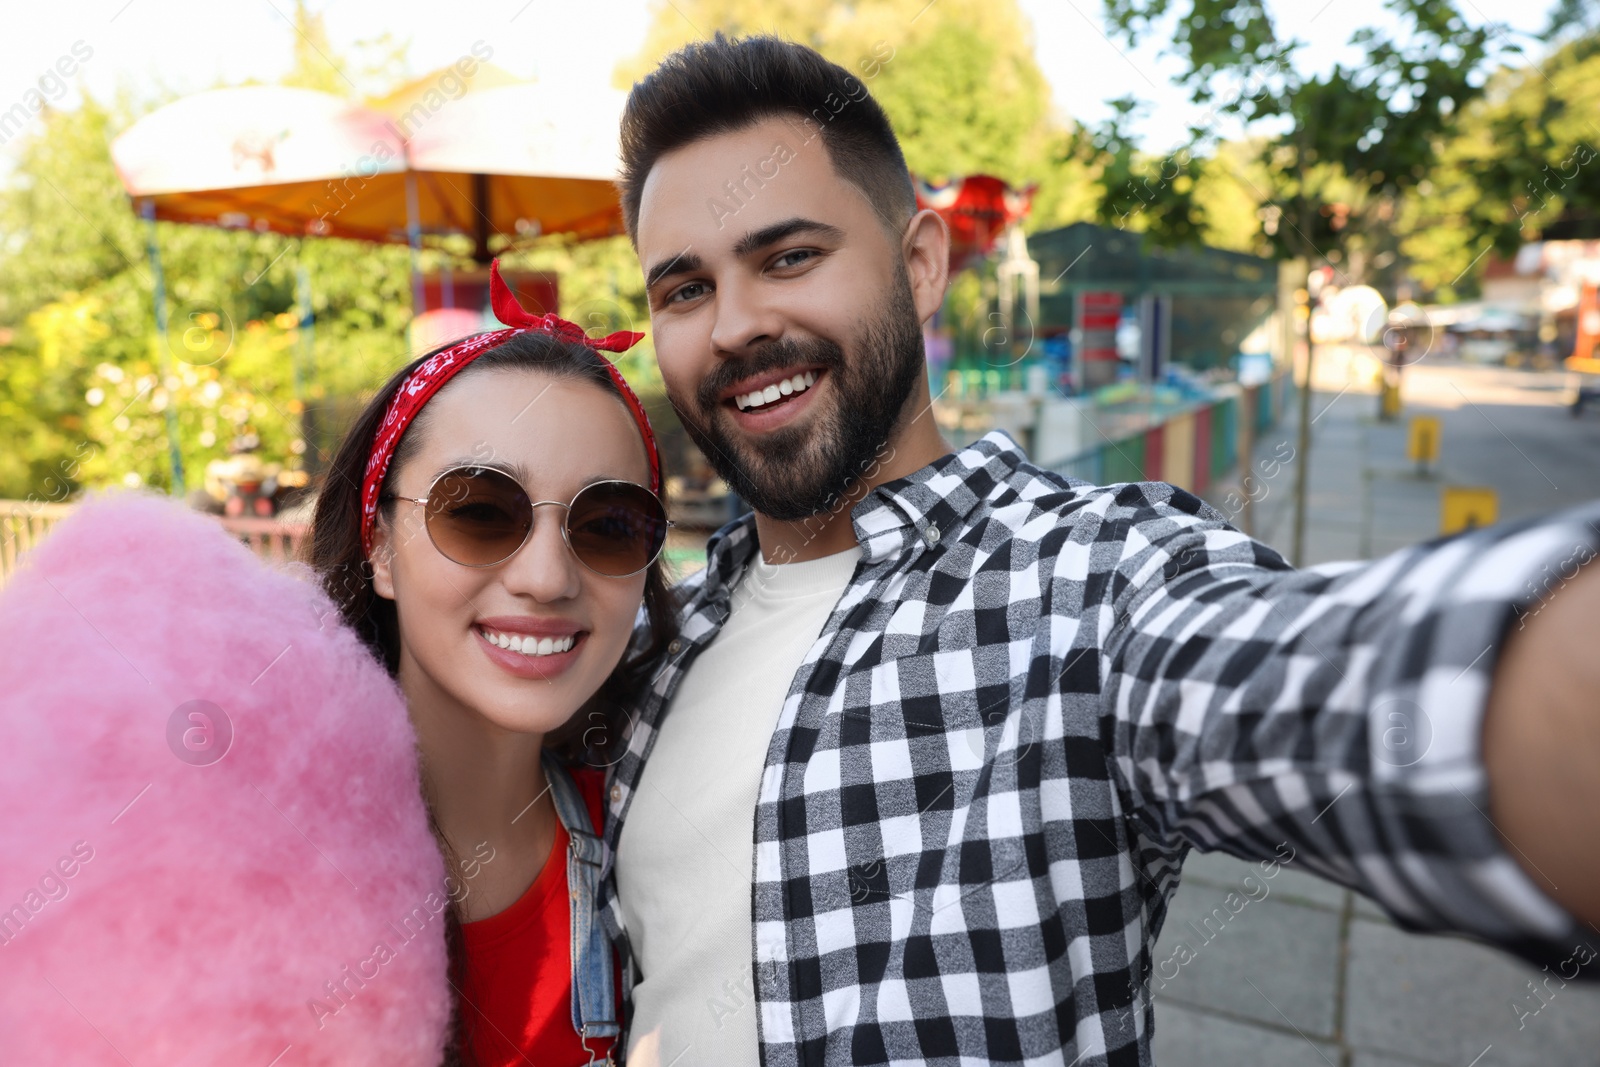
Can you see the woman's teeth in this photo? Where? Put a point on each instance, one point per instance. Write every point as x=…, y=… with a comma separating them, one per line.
x=789, y=386
x=529, y=645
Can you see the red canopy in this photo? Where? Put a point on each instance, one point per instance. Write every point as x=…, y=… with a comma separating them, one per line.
x=978, y=209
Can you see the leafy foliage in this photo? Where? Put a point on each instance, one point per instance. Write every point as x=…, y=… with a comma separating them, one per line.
x=84, y=373
x=1527, y=160
x=961, y=84
x=1137, y=191
x=1344, y=144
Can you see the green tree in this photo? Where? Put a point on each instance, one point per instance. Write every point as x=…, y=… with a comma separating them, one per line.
x=1519, y=163
x=82, y=373
x=958, y=79
x=86, y=385
x=1135, y=190
x=1364, y=132
x=1526, y=160
x=1229, y=190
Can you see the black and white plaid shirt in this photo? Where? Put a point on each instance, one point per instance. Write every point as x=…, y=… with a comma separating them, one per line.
x=1036, y=695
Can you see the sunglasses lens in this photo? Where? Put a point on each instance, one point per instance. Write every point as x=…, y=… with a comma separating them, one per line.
x=616, y=528
x=477, y=516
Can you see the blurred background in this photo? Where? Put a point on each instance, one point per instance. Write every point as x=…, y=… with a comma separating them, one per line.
x=1330, y=264
x=225, y=226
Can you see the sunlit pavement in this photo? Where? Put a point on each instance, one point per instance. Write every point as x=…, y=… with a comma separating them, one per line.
x=1509, y=430
x=1301, y=971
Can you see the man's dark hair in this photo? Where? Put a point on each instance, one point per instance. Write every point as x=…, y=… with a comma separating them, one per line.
x=721, y=86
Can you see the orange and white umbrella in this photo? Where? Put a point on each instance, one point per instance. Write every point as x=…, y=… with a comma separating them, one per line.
x=267, y=158
x=519, y=160
x=513, y=161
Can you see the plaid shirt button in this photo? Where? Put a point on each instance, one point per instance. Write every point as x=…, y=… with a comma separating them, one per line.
x=931, y=535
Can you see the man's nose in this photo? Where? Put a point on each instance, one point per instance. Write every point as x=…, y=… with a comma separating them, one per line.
x=746, y=316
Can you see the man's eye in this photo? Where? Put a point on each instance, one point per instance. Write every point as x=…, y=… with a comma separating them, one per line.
x=686, y=292
x=793, y=259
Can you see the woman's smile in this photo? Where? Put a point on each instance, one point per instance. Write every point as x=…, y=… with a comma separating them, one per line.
x=530, y=647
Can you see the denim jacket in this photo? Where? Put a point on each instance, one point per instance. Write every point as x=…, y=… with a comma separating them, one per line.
x=594, y=1010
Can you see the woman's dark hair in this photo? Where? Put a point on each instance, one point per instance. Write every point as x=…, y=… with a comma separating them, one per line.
x=334, y=552
x=722, y=86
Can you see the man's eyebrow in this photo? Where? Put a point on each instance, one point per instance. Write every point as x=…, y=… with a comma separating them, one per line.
x=757, y=239
x=682, y=263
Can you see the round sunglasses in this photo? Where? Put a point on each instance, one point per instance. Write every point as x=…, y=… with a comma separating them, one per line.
x=479, y=517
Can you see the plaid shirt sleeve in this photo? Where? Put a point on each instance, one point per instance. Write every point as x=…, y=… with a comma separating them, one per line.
x=1336, y=709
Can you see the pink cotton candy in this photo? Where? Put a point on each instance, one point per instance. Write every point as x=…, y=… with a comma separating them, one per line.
x=279, y=906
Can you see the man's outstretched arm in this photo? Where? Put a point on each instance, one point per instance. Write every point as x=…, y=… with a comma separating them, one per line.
x=1343, y=710
x=1541, y=744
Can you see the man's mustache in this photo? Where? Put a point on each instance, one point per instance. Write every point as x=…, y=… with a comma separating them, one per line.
x=774, y=355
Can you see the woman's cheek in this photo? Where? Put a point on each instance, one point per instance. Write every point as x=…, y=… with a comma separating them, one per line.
x=621, y=609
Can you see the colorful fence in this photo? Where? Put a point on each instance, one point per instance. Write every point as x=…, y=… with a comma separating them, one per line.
x=1194, y=448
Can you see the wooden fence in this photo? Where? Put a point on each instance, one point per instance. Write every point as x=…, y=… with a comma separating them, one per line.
x=24, y=523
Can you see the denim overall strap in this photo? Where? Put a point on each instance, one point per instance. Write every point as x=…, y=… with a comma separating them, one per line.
x=594, y=1012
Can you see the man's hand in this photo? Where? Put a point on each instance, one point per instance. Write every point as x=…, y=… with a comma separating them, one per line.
x=1541, y=745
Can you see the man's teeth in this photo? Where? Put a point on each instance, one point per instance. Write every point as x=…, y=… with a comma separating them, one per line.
x=757, y=398
x=529, y=645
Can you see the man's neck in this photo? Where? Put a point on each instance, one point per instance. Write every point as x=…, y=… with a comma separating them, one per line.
x=915, y=443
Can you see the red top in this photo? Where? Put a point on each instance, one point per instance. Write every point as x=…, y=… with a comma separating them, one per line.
x=516, y=1001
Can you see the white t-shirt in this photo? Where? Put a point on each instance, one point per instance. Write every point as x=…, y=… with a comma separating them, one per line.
x=685, y=858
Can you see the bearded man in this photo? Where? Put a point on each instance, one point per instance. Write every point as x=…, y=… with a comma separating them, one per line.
x=916, y=783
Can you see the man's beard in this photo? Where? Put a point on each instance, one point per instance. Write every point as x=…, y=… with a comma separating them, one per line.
x=800, y=470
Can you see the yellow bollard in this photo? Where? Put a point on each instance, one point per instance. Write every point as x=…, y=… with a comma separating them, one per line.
x=1422, y=443
x=1389, y=400
x=1463, y=507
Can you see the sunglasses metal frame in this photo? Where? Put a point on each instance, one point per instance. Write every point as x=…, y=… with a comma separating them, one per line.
x=534, y=505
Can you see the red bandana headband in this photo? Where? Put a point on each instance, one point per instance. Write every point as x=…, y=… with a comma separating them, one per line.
x=431, y=376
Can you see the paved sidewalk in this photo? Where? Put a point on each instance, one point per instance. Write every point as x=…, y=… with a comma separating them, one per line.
x=1505, y=429
x=1293, y=970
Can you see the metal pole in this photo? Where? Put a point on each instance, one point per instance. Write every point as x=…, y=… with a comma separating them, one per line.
x=1302, y=467
x=306, y=360
x=414, y=234
x=482, y=214
x=1246, y=436
x=302, y=288
x=174, y=455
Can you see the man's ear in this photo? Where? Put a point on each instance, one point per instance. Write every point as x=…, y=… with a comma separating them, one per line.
x=926, y=248
x=382, y=560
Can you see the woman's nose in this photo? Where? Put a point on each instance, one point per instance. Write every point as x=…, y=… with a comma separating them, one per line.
x=544, y=567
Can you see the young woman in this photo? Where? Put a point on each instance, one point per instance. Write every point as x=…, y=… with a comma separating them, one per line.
x=490, y=526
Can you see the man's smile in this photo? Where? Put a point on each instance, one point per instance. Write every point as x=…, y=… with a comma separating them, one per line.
x=760, y=396
x=765, y=402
